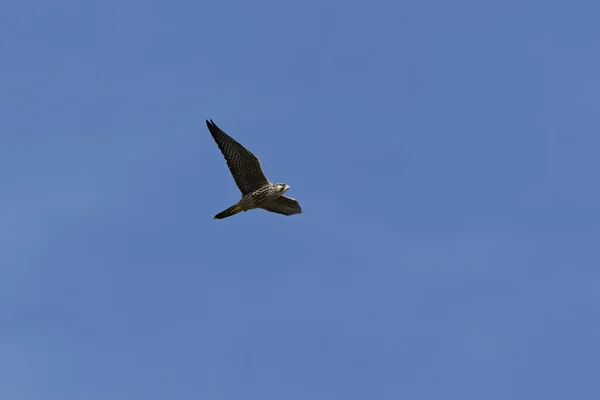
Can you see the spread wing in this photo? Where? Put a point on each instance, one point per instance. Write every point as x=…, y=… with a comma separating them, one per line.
x=284, y=205
x=243, y=165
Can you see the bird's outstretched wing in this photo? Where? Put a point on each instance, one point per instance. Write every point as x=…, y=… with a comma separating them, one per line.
x=244, y=166
x=284, y=205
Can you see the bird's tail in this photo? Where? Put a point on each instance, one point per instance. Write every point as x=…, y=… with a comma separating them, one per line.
x=229, y=212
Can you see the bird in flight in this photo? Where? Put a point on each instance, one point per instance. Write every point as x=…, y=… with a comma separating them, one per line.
x=257, y=191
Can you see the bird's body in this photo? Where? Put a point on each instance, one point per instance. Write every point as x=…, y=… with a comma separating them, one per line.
x=257, y=191
x=256, y=199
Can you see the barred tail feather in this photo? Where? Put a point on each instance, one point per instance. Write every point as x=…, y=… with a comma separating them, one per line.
x=229, y=212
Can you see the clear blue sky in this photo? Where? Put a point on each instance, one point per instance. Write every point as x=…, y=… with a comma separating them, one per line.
x=445, y=153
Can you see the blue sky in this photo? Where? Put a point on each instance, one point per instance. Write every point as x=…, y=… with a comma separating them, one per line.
x=445, y=155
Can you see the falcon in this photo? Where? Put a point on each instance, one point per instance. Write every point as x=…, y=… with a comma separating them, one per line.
x=257, y=191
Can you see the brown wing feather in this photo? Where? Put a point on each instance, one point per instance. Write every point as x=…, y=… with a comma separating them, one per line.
x=243, y=165
x=284, y=205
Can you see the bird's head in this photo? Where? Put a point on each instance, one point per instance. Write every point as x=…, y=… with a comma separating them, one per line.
x=282, y=187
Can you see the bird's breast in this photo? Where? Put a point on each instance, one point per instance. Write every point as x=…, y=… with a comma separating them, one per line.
x=261, y=197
